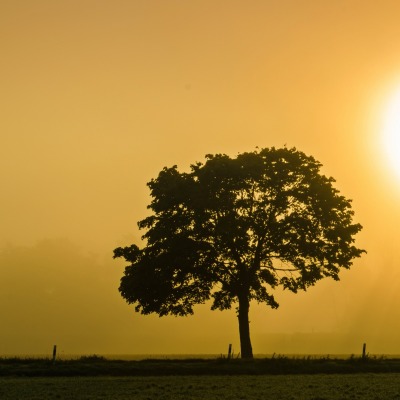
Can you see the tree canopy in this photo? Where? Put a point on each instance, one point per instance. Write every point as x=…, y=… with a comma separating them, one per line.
x=233, y=229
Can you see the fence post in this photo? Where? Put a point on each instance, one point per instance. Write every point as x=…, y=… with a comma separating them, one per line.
x=54, y=353
x=364, y=350
x=229, y=351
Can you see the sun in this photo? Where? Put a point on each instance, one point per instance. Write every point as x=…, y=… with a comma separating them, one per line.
x=391, y=132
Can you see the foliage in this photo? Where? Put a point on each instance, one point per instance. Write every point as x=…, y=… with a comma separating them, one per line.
x=232, y=229
x=92, y=358
x=275, y=365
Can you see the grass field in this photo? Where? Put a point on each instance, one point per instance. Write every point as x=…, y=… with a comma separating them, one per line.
x=100, y=366
x=282, y=387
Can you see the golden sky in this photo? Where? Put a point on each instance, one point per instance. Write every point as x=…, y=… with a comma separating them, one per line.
x=98, y=96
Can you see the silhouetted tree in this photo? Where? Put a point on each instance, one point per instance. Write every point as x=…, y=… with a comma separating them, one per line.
x=232, y=229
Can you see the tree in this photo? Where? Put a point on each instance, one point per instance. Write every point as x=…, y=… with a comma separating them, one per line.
x=233, y=229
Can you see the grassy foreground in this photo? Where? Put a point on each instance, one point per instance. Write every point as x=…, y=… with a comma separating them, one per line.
x=99, y=366
x=265, y=387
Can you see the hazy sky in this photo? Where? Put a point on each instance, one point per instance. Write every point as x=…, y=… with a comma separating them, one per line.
x=98, y=96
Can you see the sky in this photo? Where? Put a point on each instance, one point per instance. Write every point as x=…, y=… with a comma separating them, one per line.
x=98, y=96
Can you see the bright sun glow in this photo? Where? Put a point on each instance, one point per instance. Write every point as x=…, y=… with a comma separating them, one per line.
x=391, y=132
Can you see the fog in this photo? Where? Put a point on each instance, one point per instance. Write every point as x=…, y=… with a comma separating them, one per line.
x=97, y=97
x=56, y=293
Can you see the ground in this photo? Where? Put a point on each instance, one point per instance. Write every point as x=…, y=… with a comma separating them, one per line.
x=244, y=387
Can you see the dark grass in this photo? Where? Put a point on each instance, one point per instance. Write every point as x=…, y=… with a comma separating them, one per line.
x=226, y=387
x=277, y=365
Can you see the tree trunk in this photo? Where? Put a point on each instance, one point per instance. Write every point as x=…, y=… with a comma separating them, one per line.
x=244, y=328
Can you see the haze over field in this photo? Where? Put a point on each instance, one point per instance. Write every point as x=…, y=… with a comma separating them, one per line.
x=97, y=97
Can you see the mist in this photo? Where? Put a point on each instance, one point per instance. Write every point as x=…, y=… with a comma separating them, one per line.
x=57, y=293
x=98, y=97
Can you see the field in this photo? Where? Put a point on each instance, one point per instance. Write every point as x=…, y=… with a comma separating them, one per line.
x=244, y=387
x=284, y=378
x=277, y=365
